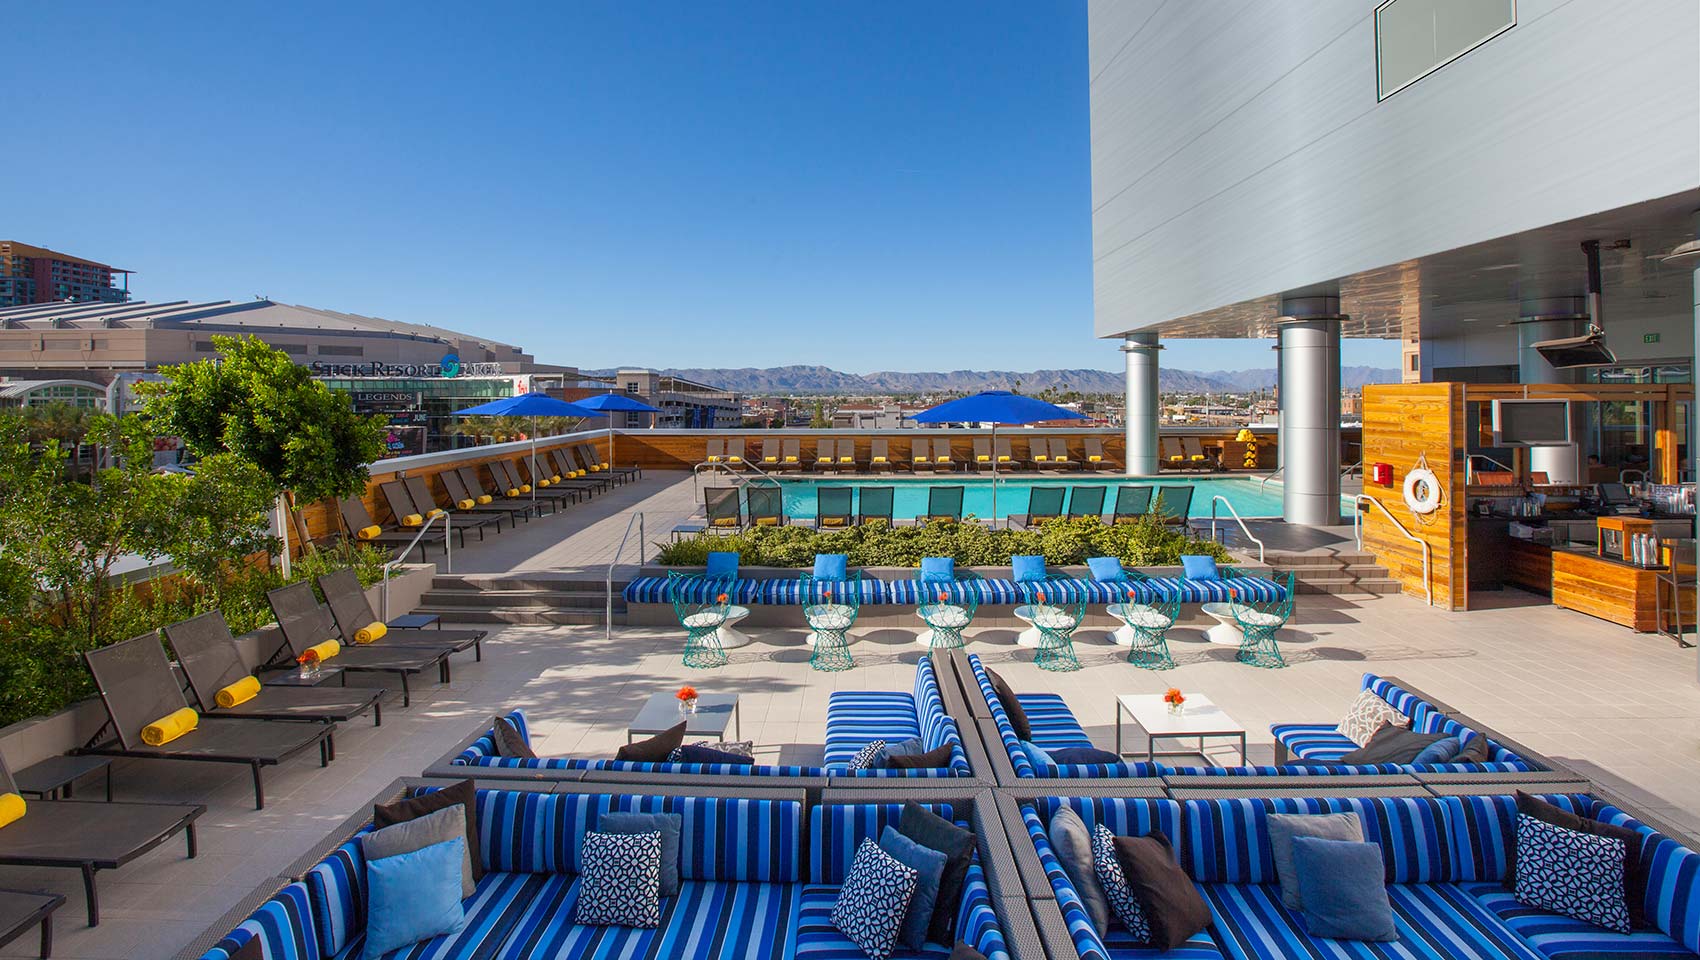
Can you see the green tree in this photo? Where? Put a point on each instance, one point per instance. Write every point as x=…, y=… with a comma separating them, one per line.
x=209, y=522
x=820, y=420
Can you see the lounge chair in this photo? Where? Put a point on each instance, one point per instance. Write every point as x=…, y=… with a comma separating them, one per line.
x=1095, y=458
x=1039, y=453
x=138, y=688
x=419, y=490
x=826, y=455
x=1170, y=456
x=944, y=456
x=791, y=457
x=589, y=455
x=1059, y=455
x=90, y=837
x=515, y=490
x=1086, y=502
x=1173, y=504
x=497, y=493
x=580, y=474
x=735, y=453
x=874, y=503
x=359, y=526
x=720, y=506
x=982, y=454
x=352, y=613
x=847, y=455
x=1043, y=503
x=766, y=505
x=209, y=658
x=833, y=507
x=466, y=502
x=411, y=516
x=879, y=458
x=920, y=455
x=303, y=623
x=1006, y=456
x=716, y=451
x=944, y=505
x=1196, y=458
x=1131, y=504
x=770, y=457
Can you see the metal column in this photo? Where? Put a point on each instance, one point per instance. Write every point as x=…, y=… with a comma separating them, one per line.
x=1552, y=318
x=1140, y=416
x=1309, y=334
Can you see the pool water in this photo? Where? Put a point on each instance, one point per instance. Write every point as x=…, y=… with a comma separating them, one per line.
x=909, y=498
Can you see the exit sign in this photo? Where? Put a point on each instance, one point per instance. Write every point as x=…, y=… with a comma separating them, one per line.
x=1649, y=338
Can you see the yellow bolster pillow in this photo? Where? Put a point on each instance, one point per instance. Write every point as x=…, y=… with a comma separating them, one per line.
x=725, y=521
x=846, y=459
x=466, y=504
x=525, y=488
x=1094, y=458
x=832, y=521
x=790, y=459
x=326, y=650
x=767, y=521
x=763, y=460
x=1041, y=457
x=604, y=464
x=11, y=808
x=434, y=513
x=542, y=483
x=879, y=459
x=555, y=478
x=239, y=692
x=1003, y=458
x=941, y=459
x=370, y=632
x=513, y=491
x=367, y=533
x=713, y=459
x=170, y=727
x=579, y=473
x=982, y=458
x=412, y=520
x=485, y=498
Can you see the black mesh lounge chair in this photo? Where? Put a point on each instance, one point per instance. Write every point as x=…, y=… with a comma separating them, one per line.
x=1059, y=455
x=826, y=455
x=1043, y=503
x=770, y=455
x=402, y=508
x=1039, y=453
x=944, y=456
x=766, y=505
x=1095, y=458
x=209, y=658
x=1173, y=503
x=982, y=462
x=138, y=687
x=944, y=504
x=735, y=452
x=1196, y=458
x=466, y=502
x=591, y=459
x=420, y=492
x=1085, y=502
x=920, y=455
x=1006, y=456
x=89, y=837
x=791, y=454
x=1131, y=504
x=359, y=525
x=875, y=504
x=564, y=486
x=715, y=452
x=351, y=612
x=847, y=456
x=578, y=472
x=720, y=506
x=879, y=458
x=303, y=623
x=832, y=507
x=1170, y=455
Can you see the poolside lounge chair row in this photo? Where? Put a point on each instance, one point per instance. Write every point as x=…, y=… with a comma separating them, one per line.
x=926, y=455
x=761, y=505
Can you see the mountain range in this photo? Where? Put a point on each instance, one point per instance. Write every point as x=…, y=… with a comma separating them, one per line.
x=805, y=379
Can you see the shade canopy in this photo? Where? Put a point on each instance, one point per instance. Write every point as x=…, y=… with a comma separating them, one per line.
x=615, y=402
x=528, y=405
x=996, y=406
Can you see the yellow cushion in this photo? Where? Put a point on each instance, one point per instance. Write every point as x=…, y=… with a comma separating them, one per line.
x=1003, y=458
x=942, y=518
x=769, y=459
x=832, y=521
x=466, y=504
x=555, y=478
x=1093, y=458
x=736, y=459
x=1198, y=456
x=412, y=520
x=983, y=457
x=943, y=459
x=370, y=632
x=790, y=459
x=725, y=521
x=846, y=459
x=434, y=513
x=367, y=533
x=513, y=491
x=713, y=459
x=485, y=498
x=579, y=473
x=879, y=459
x=326, y=650
x=170, y=727
x=525, y=488
x=921, y=458
x=543, y=483
x=11, y=808
x=239, y=692
x=767, y=521
x=1040, y=456
x=823, y=459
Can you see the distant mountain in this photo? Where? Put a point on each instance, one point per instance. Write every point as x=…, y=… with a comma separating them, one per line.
x=804, y=379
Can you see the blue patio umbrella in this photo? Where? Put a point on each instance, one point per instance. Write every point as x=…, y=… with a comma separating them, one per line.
x=996, y=407
x=612, y=403
x=531, y=405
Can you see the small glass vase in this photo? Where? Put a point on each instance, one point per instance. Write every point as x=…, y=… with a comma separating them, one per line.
x=1177, y=709
x=309, y=670
x=687, y=707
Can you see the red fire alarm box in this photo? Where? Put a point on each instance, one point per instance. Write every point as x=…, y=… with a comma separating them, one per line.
x=1381, y=473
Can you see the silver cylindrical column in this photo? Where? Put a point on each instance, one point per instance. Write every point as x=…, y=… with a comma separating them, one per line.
x=1309, y=335
x=1552, y=318
x=1140, y=414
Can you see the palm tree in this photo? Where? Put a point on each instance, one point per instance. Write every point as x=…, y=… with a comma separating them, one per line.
x=63, y=422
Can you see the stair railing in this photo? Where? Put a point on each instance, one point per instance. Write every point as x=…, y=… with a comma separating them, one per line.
x=1236, y=515
x=1272, y=476
x=400, y=558
x=608, y=582
x=1358, y=532
x=738, y=476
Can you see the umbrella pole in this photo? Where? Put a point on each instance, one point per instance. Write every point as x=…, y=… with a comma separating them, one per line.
x=534, y=477
x=995, y=477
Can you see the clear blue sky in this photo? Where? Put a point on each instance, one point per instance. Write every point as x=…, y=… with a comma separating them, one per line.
x=663, y=184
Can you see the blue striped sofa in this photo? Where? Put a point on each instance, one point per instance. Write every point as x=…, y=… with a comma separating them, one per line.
x=897, y=591
x=482, y=753
x=1445, y=859
x=1054, y=727
x=752, y=887
x=855, y=718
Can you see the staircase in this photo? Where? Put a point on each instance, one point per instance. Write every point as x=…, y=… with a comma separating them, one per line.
x=522, y=599
x=1342, y=571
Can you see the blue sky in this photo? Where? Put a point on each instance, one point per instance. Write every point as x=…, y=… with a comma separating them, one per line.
x=867, y=185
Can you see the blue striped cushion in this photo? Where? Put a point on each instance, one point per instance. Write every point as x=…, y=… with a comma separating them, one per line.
x=706, y=920
x=495, y=909
x=1673, y=878
x=336, y=887
x=1227, y=841
x=1339, y=769
x=819, y=939
x=1479, y=829
x=1053, y=726
x=985, y=590
x=284, y=925
x=837, y=829
x=1323, y=741
x=1564, y=938
x=855, y=718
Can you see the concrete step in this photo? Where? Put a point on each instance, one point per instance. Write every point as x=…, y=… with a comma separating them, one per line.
x=1347, y=587
x=568, y=584
x=508, y=598
x=534, y=615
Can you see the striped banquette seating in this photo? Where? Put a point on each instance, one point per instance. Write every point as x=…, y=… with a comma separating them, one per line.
x=757, y=882
x=1054, y=727
x=1445, y=860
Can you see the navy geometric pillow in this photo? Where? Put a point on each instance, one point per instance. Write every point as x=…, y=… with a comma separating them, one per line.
x=1577, y=874
x=1114, y=882
x=874, y=899
x=869, y=756
x=619, y=880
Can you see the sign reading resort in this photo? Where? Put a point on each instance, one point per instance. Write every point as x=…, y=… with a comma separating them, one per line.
x=447, y=368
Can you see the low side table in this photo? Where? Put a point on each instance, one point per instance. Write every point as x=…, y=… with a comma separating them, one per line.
x=715, y=712
x=20, y=911
x=730, y=636
x=52, y=778
x=417, y=621
x=1226, y=632
x=1200, y=718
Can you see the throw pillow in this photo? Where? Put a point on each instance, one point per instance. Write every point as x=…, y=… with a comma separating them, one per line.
x=1344, y=887
x=936, y=833
x=1011, y=706
x=936, y=758
x=413, y=897
x=1067, y=755
x=963, y=951
x=1113, y=881
x=1634, y=865
x=619, y=880
x=1577, y=874
x=691, y=753
x=1073, y=846
x=656, y=749
x=509, y=743
x=832, y=566
x=1173, y=908
x=1366, y=716
x=929, y=867
x=1026, y=568
x=1440, y=751
x=1106, y=568
x=872, y=903
x=905, y=748
x=462, y=793
x=1393, y=744
x=868, y=758
x=668, y=825
x=1475, y=749
x=1283, y=827
x=743, y=748
x=1196, y=567
x=1036, y=756
x=446, y=824
x=938, y=569
x=721, y=564
x=254, y=948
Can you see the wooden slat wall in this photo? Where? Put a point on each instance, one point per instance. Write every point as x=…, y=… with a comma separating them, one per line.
x=1401, y=423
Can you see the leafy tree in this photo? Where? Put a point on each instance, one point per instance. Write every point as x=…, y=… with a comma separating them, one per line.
x=211, y=521
x=820, y=420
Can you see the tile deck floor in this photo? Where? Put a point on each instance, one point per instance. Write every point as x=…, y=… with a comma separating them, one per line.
x=1623, y=706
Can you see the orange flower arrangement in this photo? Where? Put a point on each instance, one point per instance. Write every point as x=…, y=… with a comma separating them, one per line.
x=827, y=593
x=720, y=599
x=309, y=656
x=687, y=692
x=1039, y=595
x=1173, y=697
x=944, y=597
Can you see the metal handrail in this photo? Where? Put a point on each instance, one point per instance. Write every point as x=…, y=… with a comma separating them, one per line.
x=736, y=474
x=1358, y=533
x=1236, y=515
x=1272, y=476
x=608, y=583
x=448, y=556
x=1357, y=468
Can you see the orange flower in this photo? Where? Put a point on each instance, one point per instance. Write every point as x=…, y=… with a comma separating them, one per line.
x=687, y=693
x=311, y=656
x=1132, y=594
x=1039, y=595
x=1174, y=696
x=720, y=599
x=943, y=597
x=826, y=593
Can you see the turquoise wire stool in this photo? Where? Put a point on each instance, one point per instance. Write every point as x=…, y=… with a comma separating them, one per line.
x=947, y=608
x=830, y=607
x=1057, y=617
x=1149, y=624
x=702, y=620
x=1258, y=623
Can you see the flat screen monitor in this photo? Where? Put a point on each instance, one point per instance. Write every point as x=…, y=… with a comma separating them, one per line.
x=1531, y=423
x=1614, y=494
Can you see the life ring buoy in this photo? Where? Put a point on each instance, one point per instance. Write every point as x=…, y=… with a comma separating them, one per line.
x=1422, y=491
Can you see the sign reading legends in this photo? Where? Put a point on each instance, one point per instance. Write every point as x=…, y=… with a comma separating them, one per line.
x=449, y=367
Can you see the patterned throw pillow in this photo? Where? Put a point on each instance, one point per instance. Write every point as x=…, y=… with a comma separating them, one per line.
x=1367, y=715
x=1114, y=883
x=742, y=748
x=874, y=899
x=619, y=880
x=1577, y=874
x=869, y=756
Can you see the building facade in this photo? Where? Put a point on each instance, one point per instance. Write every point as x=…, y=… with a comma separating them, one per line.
x=683, y=403
x=31, y=274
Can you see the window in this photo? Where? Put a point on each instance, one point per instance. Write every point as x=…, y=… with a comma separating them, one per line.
x=291, y=347
x=1414, y=38
x=205, y=346
x=336, y=350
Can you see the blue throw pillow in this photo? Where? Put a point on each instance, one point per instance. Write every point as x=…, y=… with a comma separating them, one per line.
x=832, y=566
x=1440, y=751
x=721, y=563
x=928, y=865
x=667, y=824
x=1028, y=568
x=1106, y=568
x=1199, y=568
x=1036, y=756
x=1344, y=888
x=412, y=897
x=1063, y=756
x=912, y=747
x=938, y=568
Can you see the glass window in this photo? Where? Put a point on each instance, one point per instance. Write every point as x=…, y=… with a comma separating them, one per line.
x=1414, y=38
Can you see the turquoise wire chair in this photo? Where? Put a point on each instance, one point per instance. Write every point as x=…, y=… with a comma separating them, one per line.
x=947, y=608
x=830, y=608
x=1258, y=623
x=1149, y=623
x=703, y=619
x=1058, y=608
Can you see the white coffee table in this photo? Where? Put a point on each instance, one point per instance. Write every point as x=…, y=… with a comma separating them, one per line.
x=1226, y=631
x=730, y=636
x=1200, y=718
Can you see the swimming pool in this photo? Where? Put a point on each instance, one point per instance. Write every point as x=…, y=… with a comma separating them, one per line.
x=910, y=494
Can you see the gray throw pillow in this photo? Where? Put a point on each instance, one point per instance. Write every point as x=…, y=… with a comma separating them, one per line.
x=1283, y=827
x=433, y=828
x=911, y=747
x=1392, y=744
x=1073, y=846
x=667, y=824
